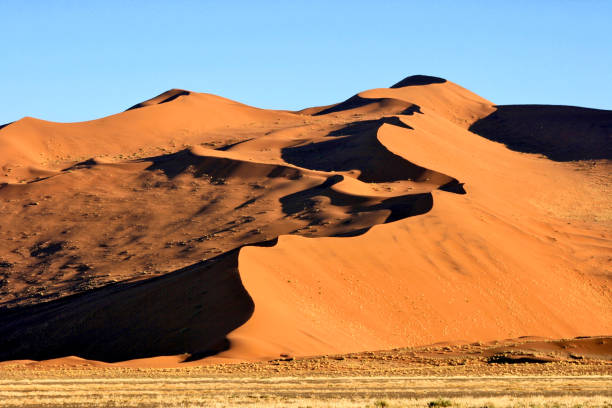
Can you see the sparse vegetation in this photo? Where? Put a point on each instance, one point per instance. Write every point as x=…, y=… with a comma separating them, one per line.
x=87, y=386
x=77, y=395
x=440, y=402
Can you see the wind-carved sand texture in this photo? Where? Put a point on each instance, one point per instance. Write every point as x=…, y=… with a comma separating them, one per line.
x=197, y=227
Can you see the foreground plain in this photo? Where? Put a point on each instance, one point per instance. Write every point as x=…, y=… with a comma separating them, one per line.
x=518, y=372
x=155, y=390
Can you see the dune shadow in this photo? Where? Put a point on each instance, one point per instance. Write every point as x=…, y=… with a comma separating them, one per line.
x=356, y=147
x=164, y=97
x=188, y=311
x=216, y=168
x=417, y=80
x=397, y=106
x=368, y=125
x=5, y=125
x=561, y=133
x=400, y=207
x=173, y=164
x=453, y=186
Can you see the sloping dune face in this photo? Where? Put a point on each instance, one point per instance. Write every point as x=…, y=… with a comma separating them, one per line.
x=197, y=226
x=562, y=133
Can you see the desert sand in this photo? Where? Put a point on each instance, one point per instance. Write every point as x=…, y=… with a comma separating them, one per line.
x=191, y=229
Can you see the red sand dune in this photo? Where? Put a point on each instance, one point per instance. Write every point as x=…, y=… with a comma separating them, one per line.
x=194, y=226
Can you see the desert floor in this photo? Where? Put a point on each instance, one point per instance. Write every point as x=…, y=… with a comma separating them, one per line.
x=519, y=372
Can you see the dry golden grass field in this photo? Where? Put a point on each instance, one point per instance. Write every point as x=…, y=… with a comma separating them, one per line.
x=154, y=389
x=519, y=373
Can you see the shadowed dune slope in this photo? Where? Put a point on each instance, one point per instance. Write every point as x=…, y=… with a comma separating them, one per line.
x=164, y=97
x=197, y=227
x=188, y=311
x=416, y=80
x=362, y=150
x=562, y=133
x=361, y=105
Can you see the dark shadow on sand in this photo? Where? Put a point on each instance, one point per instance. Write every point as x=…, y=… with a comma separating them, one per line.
x=400, y=207
x=357, y=101
x=5, y=125
x=356, y=147
x=561, y=133
x=418, y=80
x=188, y=311
x=171, y=95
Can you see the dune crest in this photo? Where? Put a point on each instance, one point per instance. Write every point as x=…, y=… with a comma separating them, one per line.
x=164, y=97
x=194, y=226
x=418, y=80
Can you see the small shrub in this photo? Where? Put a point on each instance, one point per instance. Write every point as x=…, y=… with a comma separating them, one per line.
x=440, y=402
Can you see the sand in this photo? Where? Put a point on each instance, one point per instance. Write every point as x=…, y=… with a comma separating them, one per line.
x=191, y=229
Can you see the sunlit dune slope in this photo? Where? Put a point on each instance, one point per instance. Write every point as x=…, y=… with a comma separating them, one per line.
x=192, y=118
x=196, y=226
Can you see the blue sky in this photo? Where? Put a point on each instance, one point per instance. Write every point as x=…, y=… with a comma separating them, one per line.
x=78, y=60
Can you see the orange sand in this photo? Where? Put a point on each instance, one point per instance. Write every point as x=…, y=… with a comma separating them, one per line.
x=376, y=223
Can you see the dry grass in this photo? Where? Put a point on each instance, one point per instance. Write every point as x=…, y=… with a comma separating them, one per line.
x=262, y=401
x=586, y=391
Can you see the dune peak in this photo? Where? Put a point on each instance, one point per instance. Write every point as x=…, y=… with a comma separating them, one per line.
x=417, y=80
x=163, y=97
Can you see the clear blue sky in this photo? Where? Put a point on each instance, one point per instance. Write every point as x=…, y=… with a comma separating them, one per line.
x=78, y=60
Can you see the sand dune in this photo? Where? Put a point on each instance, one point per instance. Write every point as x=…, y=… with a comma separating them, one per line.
x=562, y=133
x=194, y=226
x=164, y=97
x=156, y=127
